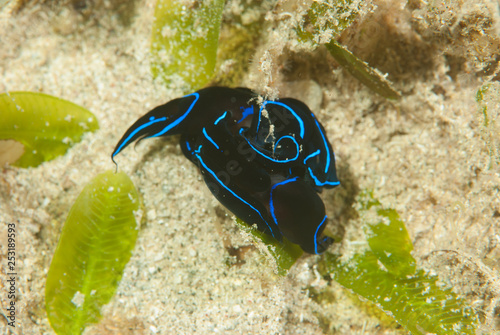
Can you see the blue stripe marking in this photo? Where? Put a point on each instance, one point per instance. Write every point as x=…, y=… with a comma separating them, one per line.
x=246, y=112
x=180, y=119
x=188, y=146
x=319, y=183
x=271, y=202
x=197, y=151
x=316, y=235
x=266, y=156
x=209, y=138
x=220, y=118
x=132, y=134
x=231, y=191
x=152, y=121
x=327, y=165
x=314, y=154
x=301, y=123
x=287, y=136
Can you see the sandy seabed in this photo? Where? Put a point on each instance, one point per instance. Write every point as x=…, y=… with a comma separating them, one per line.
x=425, y=156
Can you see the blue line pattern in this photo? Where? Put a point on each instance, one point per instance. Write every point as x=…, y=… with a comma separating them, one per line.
x=230, y=190
x=220, y=118
x=246, y=112
x=137, y=130
x=316, y=234
x=209, y=138
x=271, y=202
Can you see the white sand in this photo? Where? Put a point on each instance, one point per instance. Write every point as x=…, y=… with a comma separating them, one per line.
x=423, y=156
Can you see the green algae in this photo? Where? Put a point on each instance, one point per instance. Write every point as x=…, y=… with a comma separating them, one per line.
x=46, y=126
x=184, y=42
x=386, y=275
x=95, y=245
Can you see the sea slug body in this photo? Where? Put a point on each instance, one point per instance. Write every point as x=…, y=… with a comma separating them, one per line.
x=265, y=163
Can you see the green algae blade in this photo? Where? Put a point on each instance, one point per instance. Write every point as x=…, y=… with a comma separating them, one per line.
x=488, y=115
x=95, y=245
x=46, y=126
x=367, y=75
x=184, y=41
x=326, y=21
x=387, y=237
x=285, y=253
x=386, y=275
